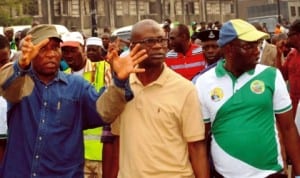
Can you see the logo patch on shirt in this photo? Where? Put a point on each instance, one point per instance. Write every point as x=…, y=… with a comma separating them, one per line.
x=216, y=94
x=257, y=86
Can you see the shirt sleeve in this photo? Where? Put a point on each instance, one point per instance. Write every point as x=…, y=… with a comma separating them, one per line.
x=193, y=126
x=281, y=98
x=115, y=127
x=203, y=108
x=15, y=83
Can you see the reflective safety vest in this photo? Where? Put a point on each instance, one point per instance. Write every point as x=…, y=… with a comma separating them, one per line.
x=95, y=74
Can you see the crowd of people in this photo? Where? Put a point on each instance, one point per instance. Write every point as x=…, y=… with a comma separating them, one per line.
x=217, y=100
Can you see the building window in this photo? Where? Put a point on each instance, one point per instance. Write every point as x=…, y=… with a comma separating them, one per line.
x=293, y=11
x=213, y=8
x=75, y=8
x=196, y=8
x=298, y=11
x=231, y=8
x=168, y=7
x=189, y=7
x=65, y=7
x=132, y=8
x=142, y=8
x=153, y=8
x=100, y=8
x=86, y=7
x=178, y=8
x=61, y=7
x=32, y=8
x=57, y=7
x=119, y=8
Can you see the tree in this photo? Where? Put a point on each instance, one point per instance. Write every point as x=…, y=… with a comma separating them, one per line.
x=10, y=8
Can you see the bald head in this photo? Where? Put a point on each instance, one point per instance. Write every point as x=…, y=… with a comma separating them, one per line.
x=143, y=26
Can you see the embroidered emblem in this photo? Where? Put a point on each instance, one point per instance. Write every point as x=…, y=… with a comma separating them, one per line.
x=211, y=35
x=257, y=86
x=216, y=94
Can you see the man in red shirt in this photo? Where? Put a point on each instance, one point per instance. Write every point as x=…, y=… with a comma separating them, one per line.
x=185, y=58
x=290, y=68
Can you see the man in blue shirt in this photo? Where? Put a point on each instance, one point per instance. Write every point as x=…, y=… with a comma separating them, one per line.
x=49, y=109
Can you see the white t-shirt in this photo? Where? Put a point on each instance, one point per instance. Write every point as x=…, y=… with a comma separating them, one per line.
x=3, y=117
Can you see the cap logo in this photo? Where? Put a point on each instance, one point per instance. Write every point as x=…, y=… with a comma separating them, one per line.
x=211, y=35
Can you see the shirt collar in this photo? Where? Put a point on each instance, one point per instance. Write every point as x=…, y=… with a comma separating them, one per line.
x=263, y=44
x=221, y=71
x=61, y=76
x=159, y=81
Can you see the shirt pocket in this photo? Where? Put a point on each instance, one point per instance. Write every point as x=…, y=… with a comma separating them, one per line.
x=67, y=111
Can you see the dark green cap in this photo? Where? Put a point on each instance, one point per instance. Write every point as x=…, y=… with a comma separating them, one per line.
x=41, y=32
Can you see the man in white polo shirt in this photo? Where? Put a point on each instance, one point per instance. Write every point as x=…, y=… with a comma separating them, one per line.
x=241, y=101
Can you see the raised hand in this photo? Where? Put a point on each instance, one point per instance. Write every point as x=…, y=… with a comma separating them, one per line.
x=123, y=66
x=29, y=51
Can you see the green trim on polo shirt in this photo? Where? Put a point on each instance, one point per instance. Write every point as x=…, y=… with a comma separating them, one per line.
x=206, y=120
x=221, y=71
x=283, y=110
x=3, y=136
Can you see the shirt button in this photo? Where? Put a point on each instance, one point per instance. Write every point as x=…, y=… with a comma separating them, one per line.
x=34, y=174
x=36, y=156
x=43, y=121
x=45, y=103
x=40, y=138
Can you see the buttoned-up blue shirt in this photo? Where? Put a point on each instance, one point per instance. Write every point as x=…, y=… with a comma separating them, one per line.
x=45, y=136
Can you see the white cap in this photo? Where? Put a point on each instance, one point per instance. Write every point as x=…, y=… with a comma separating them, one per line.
x=73, y=39
x=94, y=41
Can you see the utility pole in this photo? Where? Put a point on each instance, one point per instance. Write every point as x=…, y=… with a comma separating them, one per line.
x=93, y=18
x=172, y=12
x=162, y=10
x=236, y=8
x=204, y=10
x=221, y=13
x=183, y=11
x=137, y=7
x=278, y=11
x=49, y=12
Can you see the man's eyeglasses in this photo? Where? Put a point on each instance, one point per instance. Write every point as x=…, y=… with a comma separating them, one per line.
x=247, y=45
x=152, y=41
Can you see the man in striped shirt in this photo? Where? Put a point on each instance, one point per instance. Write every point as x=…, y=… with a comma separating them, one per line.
x=185, y=58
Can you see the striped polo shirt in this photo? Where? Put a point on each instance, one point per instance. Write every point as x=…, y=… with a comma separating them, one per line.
x=187, y=65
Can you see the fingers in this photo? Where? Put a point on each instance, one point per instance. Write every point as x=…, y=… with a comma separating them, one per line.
x=112, y=55
x=26, y=45
x=135, y=49
x=139, y=59
x=137, y=54
x=138, y=70
x=42, y=44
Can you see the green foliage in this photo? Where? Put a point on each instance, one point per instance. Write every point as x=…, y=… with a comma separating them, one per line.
x=9, y=9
